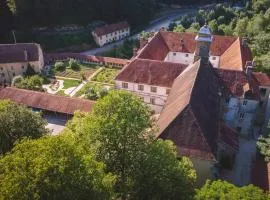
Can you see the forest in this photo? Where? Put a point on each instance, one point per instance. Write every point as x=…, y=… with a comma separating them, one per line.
x=251, y=21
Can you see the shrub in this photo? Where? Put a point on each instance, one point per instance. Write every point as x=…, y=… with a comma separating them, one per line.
x=60, y=66
x=74, y=64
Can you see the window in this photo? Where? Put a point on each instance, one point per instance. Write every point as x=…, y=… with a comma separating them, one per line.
x=14, y=74
x=244, y=102
x=22, y=67
x=214, y=58
x=168, y=91
x=124, y=85
x=241, y=116
x=140, y=87
x=154, y=89
x=152, y=100
x=12, y=67
x=238, y=129
x=174, y=54
x=263, y=92
x=3, y=75
x=227, y=100
x=1, y=68
x=187, y=55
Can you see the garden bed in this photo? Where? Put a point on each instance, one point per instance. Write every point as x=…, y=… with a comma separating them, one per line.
x=106, y=75
x=85, y=70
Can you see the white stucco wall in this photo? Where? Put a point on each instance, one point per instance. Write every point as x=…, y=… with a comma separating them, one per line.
x=160, y=96
x=114, y=36
x=187, y=58
x=235, y=108
x=9, y=70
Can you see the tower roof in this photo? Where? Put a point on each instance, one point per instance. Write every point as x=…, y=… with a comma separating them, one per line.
x=204, y=34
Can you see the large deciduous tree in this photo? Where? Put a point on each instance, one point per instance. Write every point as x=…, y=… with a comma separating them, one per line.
x=120, y=131
x=17, y=122
x=53, y=168
x=224, y=190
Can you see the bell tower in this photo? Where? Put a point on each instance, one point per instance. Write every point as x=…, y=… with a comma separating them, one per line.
x=203, y=43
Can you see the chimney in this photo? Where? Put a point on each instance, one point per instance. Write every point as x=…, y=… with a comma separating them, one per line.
x=25, y=55
x=244, y=42
x=249, y=69
x=181, y=44
x=162, y=29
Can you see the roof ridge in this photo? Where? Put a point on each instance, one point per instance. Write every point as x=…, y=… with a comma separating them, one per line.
x=53, y=95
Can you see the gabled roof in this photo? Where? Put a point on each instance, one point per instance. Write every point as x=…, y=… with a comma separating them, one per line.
x=13, y=53
x=190, y=117
x=237, y=83
x=164, y=42
x=156, y=49
x=235, y=57
x=104, y=30
x=151, y=72
x=45, y=101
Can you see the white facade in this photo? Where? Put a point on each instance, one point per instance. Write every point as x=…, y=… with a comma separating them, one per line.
x=111, y=37
x=188, y=58
x=240, y=114
x=154, y=96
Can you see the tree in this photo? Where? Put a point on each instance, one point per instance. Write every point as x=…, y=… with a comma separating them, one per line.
x=60, y=66
x=18, y=122
x=120, y=131
x=241, y=26
x=53, y=168
x=194, y=28
x=179, y=29
x=30, y=83
x=73, y=64
x=224, y=190
x=263, y=146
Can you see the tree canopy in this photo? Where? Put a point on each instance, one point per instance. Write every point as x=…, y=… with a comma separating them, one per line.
x=263, y=146
x=120, y=131
x=53, y=168
x=18, y=122
x=223, y=190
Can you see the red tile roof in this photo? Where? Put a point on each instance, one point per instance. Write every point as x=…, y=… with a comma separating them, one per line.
x=45, y=101
x=235, y=57
x=151, y=72
x=156, y=49
x=164, y=42
x=190, y=117
x=237, y=83
x=262, y=78
x=12, y=53
x=88, y=58
x=104, y=30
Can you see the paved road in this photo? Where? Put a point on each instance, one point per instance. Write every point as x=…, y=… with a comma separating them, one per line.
x=154, y=26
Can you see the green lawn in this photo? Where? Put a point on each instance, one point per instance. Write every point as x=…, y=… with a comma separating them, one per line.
x=70, y=83
x=61, y=93
x=106, y=75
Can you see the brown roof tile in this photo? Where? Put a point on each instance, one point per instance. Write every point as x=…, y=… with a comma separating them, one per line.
x=229, y=136
x=45, y=101
x=151, y=72
x=164, y=42
x=262, y=78
x=104, y=30
x=12, y=53
x=235, y=57
x=237, y=83
x=191, y=114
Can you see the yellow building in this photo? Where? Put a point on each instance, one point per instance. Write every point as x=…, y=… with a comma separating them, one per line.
x=16, y=58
